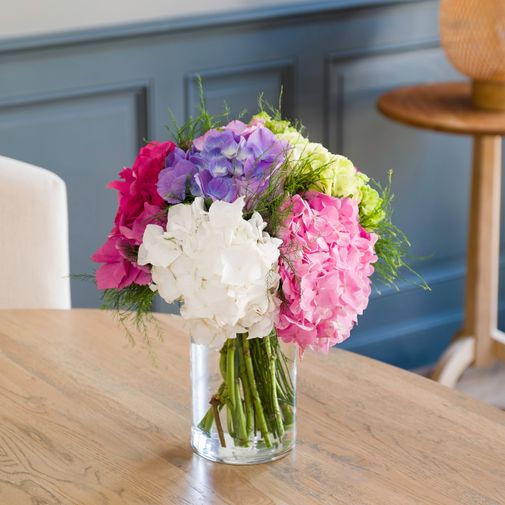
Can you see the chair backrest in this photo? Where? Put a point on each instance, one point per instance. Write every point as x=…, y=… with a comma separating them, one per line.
x=34, y=258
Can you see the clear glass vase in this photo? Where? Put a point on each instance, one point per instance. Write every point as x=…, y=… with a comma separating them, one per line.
x=244, y=400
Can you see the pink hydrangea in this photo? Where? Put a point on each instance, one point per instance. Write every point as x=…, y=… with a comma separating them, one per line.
x=325, y=267
x=139, y=204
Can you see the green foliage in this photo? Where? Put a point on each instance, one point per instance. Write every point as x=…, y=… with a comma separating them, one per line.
x=84, y=277
x=133, y=306
x=290, y=178
x=194, y=127
x=371, y=208
x=393, y=246
x=273, y=116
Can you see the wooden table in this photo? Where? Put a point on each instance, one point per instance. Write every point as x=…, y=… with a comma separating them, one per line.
x=447, y=107
x=86, y=420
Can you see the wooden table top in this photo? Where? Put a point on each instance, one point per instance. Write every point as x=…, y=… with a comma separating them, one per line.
x=442, y=107
x=87, y=420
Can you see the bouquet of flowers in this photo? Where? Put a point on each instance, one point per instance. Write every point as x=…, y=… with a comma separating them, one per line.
x=265, y=239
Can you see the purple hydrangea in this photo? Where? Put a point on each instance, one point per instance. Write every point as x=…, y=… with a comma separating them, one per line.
x=174, y=179
x=223, y=164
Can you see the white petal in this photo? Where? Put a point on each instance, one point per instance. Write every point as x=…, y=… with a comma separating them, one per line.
x=180, y=220
x=166, y=284
x=207, y=333
x=151, y=235
x=226, y=215
x=222, y=267
x=262, y=328
x=258, y=223
x=156, y=249
x=241, y=264
x=270, y=252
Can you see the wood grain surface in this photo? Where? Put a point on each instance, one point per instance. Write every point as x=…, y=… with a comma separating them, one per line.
x=86, y=420
x=445, y=107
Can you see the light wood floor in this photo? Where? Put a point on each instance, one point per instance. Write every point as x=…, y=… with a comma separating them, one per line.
x=486, y=384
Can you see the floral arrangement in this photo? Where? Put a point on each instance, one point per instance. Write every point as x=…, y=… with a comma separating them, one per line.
x=262, y=237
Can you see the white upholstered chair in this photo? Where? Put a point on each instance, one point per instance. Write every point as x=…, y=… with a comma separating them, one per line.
x=34, y=259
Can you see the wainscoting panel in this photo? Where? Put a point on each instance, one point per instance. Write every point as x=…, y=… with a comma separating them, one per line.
x=82, y=104
x=434, y=218
x=240, y=87
x=80, y=136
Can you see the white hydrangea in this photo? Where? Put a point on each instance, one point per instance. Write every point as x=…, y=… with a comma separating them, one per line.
x=221, y=267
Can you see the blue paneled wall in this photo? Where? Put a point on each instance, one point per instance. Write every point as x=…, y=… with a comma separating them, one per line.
x=82, y=104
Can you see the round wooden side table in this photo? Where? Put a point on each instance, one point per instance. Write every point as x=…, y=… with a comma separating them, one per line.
x=447, y=107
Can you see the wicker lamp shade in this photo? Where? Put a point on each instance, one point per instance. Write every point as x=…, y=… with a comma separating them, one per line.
x=473, y=36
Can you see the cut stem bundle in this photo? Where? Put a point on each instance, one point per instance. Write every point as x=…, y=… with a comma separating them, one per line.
x=257, y=393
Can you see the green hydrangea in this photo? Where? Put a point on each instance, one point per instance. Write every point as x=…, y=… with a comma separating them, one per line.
x=274, y=125
x=338, y=175
x=371, y=208
x=341, y=179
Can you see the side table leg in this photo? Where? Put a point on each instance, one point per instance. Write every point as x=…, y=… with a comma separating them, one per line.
x=455, y=360
x=481, y=298
x=481, y=303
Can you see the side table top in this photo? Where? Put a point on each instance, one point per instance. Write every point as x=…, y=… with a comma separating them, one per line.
x=85, y=419
x=442, y=107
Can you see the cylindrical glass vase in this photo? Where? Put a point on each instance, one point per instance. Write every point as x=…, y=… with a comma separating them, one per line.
x=244, y=400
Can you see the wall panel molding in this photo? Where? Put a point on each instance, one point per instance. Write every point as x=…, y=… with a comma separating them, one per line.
x=141, y=90
x=335, y=75
x=239, y=18
x=236, y=82
x=340, y=67
x=77, y=134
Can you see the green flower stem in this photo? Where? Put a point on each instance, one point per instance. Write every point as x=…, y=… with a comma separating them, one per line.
x=211, y=416
x=207, y=421
x=227, y=391
x=222, y=363
x=280, y=391
x=230, y=371
x=285, y=377
x=235, y=410
x=260, y=364
x=273, y=387
x=285, y=372
x=254, y=391
x=287, y=410
x=215, y=405
x=249, y=409
x=240, y=417
x=229, y=418
x=255, y=424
